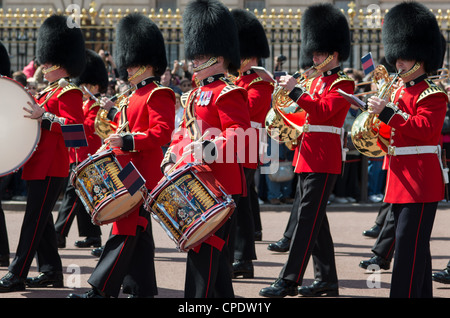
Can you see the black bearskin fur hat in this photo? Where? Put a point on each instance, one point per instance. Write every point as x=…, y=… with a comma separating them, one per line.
x=252, y=36
x=411, y=32
x=209, y=29
x=139, y=42
x=324, y=29
x=5, y=63
x=59, y=43
x=94, y=73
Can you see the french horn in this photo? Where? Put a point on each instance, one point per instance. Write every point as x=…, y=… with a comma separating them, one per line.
x=278, y=126
x=370, y=136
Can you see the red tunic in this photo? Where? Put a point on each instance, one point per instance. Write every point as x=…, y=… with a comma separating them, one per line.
x=259, y=101
x=151, y=115
x=51, y=157
x=318, y=151
x=418, y=121
x=90, y=110
x=221, y=108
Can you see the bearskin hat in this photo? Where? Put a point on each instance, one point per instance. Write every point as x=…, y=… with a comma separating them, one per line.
x=209, y=29
x=252, y=36
x=60, y=43
x=411, y=32
x=94, y=73
x=324, y=28
x=139, y=42
x=5, y=63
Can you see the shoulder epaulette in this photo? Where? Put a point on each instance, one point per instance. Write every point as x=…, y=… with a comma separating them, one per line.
x=432, y=89
x=342, y=76
x=228, y=88
x=96, y=104
x=69, y=87
x=255, y=80
x=158, y=88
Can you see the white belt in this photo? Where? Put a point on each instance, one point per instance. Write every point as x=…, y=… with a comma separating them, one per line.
x=418, y=150
x=320, y=128
x=328, y=129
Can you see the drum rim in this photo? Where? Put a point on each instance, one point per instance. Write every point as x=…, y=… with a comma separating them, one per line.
x=38, y=131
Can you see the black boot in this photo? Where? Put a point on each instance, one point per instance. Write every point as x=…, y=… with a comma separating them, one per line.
x=93, y=293
x=45, y=280
x=279, y=289
x=281, y=246
x=374, y=262
x=11, y=282
x=442, y=276
x=318, y=288
x=243, y=268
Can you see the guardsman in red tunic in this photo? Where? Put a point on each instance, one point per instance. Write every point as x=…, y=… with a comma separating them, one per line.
x=95, y=79
x=60, y=49
x=147, y=116
x=221, y=108
x=325, y=40
x=415, y=113
x=253, y=47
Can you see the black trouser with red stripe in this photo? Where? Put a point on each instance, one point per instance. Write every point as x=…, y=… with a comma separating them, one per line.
x=411, y=274
x=312, y=235
x=127, y=261
x=37, y=235
x=385, y=244
x=72, y=206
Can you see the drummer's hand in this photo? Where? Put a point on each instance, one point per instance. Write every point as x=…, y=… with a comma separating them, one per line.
x=106, y=103
x=114, y=140
x=34, y=112
x=167, y=167
x=196, y=149
x=376, y=105
x=288, y=82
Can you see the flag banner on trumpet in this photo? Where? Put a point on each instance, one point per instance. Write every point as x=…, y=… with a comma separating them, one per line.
x=352, y=99
x=367, y=63
x=131, y=178
x=74, y=136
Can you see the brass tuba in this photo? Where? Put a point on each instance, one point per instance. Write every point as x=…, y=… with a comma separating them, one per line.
x=370, y=136
x=277, y=125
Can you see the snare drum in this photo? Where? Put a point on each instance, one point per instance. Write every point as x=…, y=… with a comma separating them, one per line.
x=103, y=194
x=190, y=205
x=18, y=135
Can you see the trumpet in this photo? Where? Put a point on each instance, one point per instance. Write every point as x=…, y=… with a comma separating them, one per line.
x=277, y=125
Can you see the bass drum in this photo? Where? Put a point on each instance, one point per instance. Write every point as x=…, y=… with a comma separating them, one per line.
x=19, y=136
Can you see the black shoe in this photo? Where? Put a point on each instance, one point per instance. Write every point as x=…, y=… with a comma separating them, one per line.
x=97, y=251
x=242, y=268
x=46, y=279
x=374, y=262
x=93, y=293
x=374, y=231
x=281, y=246
x=89, y=241
x=11, y=282
x=258, y=236
x=442, y=276
x=279, y=289
x=4, y=260
x=318, y=288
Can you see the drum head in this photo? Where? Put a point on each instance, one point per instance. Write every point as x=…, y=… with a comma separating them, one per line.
x=18, y=135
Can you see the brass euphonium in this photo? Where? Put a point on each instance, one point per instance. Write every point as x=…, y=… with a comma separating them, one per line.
x=369, y=135
x=277, y=125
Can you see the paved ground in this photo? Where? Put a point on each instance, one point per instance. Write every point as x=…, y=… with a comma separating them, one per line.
x=347, y=223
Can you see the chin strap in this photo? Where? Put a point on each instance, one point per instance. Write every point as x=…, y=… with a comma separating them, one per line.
x=411, y=71
x=210, y=62
x=324, y=63
x=138, y=72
